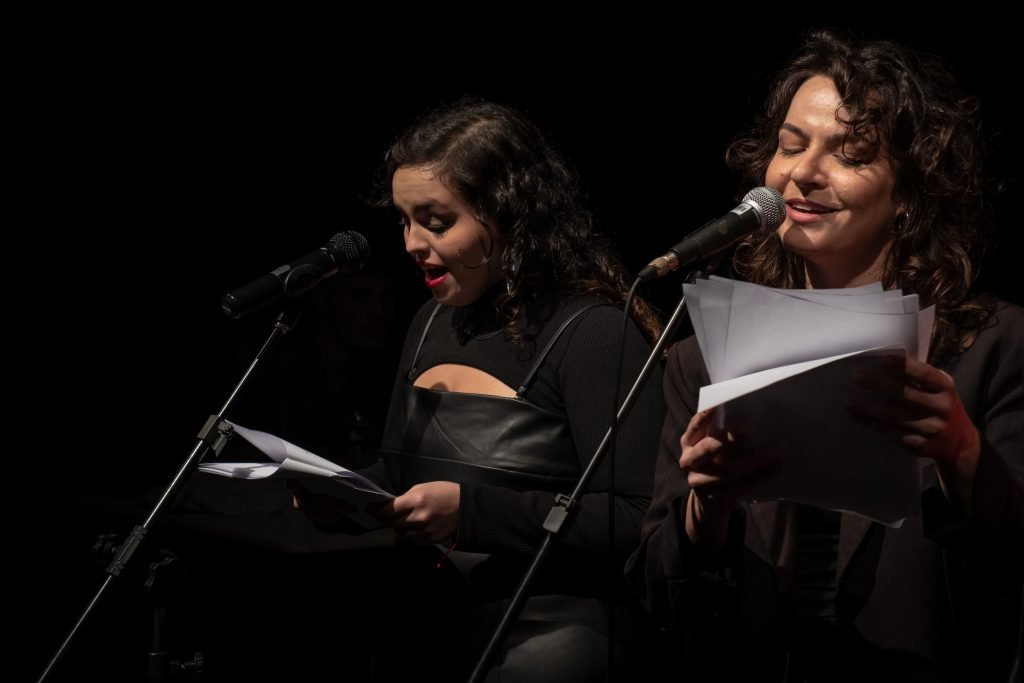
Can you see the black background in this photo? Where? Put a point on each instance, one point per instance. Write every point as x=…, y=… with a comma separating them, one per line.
x=165, y=164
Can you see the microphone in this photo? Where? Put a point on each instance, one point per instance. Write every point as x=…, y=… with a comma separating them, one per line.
x=346, y=252
x=762, y=207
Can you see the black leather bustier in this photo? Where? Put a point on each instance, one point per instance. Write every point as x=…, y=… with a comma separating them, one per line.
x=452, y=436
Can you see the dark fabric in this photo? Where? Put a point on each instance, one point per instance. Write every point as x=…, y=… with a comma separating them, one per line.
x=501, y=515
x=817, y=548
x=496, y=441
x=575, y=381
x=556, y=639
x=480, y=439
x=936, y=599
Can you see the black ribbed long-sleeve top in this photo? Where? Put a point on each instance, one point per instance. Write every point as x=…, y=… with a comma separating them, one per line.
x=576, y=380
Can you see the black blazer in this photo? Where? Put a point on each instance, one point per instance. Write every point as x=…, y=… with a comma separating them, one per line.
x=937, y=599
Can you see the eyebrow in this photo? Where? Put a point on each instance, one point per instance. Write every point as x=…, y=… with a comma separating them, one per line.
x=833, y=140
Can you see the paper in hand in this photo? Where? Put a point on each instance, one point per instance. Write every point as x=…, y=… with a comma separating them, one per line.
x=783, y=364
x=316, y=474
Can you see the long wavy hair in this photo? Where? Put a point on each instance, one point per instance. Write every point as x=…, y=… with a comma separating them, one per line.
x=908, y=106
x=527, y=196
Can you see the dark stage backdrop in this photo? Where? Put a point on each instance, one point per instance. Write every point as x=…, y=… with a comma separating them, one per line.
x=165, y=169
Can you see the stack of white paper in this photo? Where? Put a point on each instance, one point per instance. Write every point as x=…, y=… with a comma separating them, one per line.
x=317, y=474
x=782, y=365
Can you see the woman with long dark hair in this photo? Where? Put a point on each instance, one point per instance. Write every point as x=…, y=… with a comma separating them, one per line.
x=878, y=158
x=504, y=391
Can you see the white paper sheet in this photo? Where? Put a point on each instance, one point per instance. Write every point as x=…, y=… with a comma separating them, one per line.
x=316, y=474
x=782, y=365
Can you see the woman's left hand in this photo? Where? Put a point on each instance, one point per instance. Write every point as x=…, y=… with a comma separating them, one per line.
x=426, y=513
x=917, y=405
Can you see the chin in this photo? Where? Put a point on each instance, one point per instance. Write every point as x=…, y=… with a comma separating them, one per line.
x=795, y=239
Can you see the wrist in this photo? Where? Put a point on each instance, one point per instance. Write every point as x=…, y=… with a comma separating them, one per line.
x=707, y=525
x=956, y=471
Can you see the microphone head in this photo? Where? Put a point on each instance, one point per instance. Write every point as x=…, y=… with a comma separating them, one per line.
x=349, y=250
x=769, y=204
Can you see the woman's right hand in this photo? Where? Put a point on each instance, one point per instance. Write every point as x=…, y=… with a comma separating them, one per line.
x=322, y=510
x=719, y=471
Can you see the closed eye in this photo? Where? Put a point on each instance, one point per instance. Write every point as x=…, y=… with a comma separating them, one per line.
x=851, y=162
x=438, y=228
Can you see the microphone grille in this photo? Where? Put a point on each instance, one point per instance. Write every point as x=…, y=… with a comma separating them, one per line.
x=770, y=205
x=350, y=250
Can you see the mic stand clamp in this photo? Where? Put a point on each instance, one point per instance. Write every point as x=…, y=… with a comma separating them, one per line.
x=215, y=434
x=561, y=512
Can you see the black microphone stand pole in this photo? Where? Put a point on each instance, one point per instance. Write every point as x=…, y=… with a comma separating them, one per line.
x=212, y=437
x=564, y=510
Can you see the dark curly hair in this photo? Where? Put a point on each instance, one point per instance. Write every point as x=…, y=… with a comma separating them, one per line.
x=909, y=106
x=500, y=164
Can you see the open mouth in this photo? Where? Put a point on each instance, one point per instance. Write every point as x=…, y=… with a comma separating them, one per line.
x=434, y=275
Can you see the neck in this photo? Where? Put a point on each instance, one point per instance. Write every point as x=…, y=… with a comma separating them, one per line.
x=826, y=274
x=479, y=316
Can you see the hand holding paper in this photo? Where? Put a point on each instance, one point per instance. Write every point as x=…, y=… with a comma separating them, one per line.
x=784, y=362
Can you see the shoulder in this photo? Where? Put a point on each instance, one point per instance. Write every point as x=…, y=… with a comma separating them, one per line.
x=593, y=319
x=686, y=361
x=1003, y=330
x=594, y=309
x=581, y=331
x=569, y=304
x=686, y=351
x=685, y=374
x=1010, y=319
x=998, y=346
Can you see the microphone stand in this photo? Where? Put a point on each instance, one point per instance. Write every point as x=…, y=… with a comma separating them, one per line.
x=564, y=510
x=212, y=437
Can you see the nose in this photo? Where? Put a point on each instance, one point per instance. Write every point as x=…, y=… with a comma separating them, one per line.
x=415, y=244
x=807, y=171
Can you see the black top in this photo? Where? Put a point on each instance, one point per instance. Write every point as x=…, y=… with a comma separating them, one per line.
x=575, y=380
x=508, y=442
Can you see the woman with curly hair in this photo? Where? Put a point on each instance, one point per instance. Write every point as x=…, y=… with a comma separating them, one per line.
x=878, y=158
x=505, y=389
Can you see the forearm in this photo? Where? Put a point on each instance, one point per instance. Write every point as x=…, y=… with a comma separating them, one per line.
x=674, y=577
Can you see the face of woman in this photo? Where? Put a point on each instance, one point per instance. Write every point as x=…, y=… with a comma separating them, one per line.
x=459, y=258
x=840, y=206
